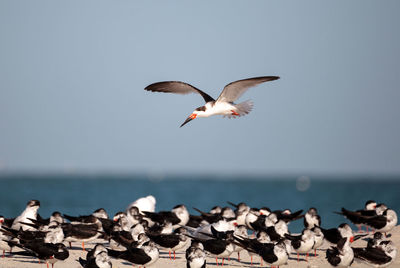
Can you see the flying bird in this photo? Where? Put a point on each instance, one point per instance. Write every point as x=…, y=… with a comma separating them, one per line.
x=223, y=105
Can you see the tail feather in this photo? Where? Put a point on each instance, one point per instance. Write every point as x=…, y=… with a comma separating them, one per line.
x=243, y=108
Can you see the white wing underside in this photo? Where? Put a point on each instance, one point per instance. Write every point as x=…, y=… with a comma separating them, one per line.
x=234, y=90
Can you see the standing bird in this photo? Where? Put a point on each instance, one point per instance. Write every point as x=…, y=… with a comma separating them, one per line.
x=223, y=105
x=30, y=212
x=312, y=219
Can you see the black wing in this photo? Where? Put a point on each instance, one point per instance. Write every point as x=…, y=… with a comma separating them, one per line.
x=332, y=235
x=177, y=87
x=268, y=255
x=372, y=255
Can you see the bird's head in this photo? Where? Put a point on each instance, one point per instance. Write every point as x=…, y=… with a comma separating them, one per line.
x=196, y=113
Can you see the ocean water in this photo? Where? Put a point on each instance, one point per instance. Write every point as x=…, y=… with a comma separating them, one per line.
x=82, y=194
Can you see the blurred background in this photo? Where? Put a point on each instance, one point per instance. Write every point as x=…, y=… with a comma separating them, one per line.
x=78, y=131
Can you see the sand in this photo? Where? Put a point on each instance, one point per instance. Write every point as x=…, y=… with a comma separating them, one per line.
x=164, y=261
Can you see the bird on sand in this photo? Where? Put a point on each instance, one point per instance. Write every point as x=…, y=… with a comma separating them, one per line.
x=223, y=105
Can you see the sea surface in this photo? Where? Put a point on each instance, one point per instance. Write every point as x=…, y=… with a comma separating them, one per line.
x=82, y=194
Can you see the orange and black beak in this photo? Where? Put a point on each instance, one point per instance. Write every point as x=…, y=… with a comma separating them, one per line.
x=190, y=118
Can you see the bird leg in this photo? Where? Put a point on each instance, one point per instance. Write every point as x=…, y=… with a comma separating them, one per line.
x=298, y=257
x=169, y=252
x=222, y=264
x=4, y=253
x=174, y=254
x=261, y=261
x=307, y=257
x=83, y=246
x=70, y=245
x=315, y=252
x=216, y=260
x=251, y=260
x=238, y=256
x=47, y=264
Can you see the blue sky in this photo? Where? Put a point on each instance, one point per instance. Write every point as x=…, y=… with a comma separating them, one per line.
x=72, y=75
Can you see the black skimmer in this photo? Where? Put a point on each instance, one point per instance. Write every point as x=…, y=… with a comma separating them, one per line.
x=210, y=217
x=172, y=242
x=196, y=258
x=101, y=260
x=98, y=248
x=381, y=255
x=30, y=212
x=99, y=214
x=251, y=217
x=139, y=228
x=145, y=255
x=375, y=240
x=50, y=253
x=240, y=212
x=287, y=215
x=318, y=239
x=218, y=247
x=240, y=231
x=278, y=255
x=223, y=105
x=133, y=215
x=354, y=216
x=215, y=210
x=334, y=235
x=164, y=228
x=341, y=255
x=178, y=216
x=82, y=232
x=312, y=219
x=303, y=243
x=96, y=258
x=382, y=223
x=252, y=245
x=273, y=254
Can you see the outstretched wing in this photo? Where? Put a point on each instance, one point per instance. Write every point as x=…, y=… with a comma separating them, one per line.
x=177, y=87
x=234, y=90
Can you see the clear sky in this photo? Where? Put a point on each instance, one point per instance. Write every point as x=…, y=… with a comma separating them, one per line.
x=72, y=75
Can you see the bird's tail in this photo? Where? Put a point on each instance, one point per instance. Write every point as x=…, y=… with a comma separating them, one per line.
x=242, y=108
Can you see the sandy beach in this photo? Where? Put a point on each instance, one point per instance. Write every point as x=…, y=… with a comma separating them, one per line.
x=164, y=261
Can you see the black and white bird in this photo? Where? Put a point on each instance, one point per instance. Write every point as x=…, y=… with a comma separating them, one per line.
x=382, y=223
x=381, y=255
x=302, y=243
x=341, y=255
x=102, y=260
x=334, y=235
x=172, y=242
x=145, y=255
x=96, y=258
x=318, y=239
x=82, y=232
x=196, y=258
x=356, y=216
x=178, y=216
x=312, y=219
x=223, y=105
x=30, y=212
x=48, y=252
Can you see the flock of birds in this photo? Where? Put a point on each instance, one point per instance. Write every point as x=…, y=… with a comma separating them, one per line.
x=137, y=235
